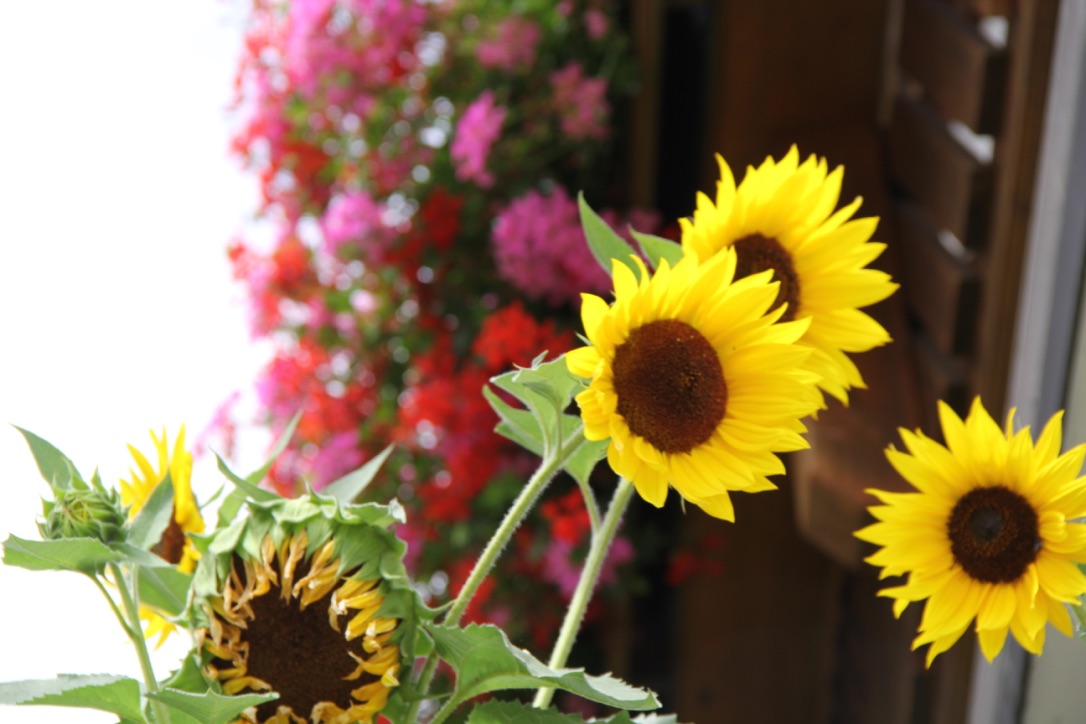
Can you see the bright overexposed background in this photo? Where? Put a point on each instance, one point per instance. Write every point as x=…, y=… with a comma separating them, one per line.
x=117, y=200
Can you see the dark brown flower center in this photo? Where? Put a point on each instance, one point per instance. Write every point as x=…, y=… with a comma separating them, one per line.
x=298, y=654
x=670, y=385
x=171, y=545
x=756, y=253
x=994, y=534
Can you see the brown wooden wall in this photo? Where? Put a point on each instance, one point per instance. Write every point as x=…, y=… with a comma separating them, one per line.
x=937, y=125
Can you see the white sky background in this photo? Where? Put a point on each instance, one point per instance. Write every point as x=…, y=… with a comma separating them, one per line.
x=117, y=201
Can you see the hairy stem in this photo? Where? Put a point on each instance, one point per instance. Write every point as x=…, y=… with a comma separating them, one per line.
x=597, y=554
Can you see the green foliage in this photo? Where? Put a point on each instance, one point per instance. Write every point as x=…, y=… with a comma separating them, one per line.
x=209, y=707
x=154, y=517
x=544, y=428
x=515, y=712
x=85, y=555
x=56, y=469
x=116, y=694
x=486, y=661
x=657, y=248
x=351, y=485
x=165, y=588
x=606, y=245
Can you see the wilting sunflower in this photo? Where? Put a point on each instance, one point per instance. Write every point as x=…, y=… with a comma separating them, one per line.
x=307, y=599
x=781, y=217
x=693, y=382
x=175, y=545
x=988, y=534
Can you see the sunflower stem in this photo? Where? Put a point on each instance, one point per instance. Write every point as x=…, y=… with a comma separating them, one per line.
x=113, y=604
x=129, y=599
x=590, y=575
x=552, y=462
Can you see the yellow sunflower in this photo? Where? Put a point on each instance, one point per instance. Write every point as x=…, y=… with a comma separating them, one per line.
x=781, y=217
x=988, y=534
x=308, y=599
x=693, y=382
x=175, y=545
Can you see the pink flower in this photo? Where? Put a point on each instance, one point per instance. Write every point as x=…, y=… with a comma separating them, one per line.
x=514, y=46
x=563, y=572
x=354, y=220
x=581, y=103
x=336, y=456
x=539, y=247
x=476, y=132
x=596, y=23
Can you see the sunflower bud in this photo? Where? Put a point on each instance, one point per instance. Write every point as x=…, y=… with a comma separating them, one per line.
x=87, y=513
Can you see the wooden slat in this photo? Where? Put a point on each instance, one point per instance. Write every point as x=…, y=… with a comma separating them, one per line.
x=940, y=378
x=942, y=289
x=963, y=74
x=1032, y=37
x=951, y=185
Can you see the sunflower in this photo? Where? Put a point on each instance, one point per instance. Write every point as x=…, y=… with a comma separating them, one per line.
x=781, y=218
x=694, y=384
x=987, y=534
x=309, y=600
x=175, y=545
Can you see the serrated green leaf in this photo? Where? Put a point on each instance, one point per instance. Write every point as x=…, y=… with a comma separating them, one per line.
x=583, y=461
x=118, y=695
x=210, y=707
x=515, y=712
x=258, y=475
x=154, y=517
x=656, y=248
x=164, y=588
x=520, y=426
x=85, y=555
x=351, y=485
x=624, y=718
x=604, y=242
x=550, y=380
x=485, y=661
x=55, y=467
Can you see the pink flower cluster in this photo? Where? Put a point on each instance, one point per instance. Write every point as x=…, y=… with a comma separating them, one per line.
x=513, y=47
x=539, y=246
x=355, y=221
x=476, y=132
x=375, y=52
x=581, y=103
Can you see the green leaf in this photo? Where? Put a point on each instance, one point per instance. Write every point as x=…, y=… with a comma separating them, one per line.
x=604, y=242
x=485, y=661
x=85, y=555
x=520, y=426
x=624, y=718
x=546, y=389
x=116, y=694
x=247, y=485
x=164, y=588
x=210, y=707
x=351, y=485
x=656, y=248
x=515, y=712
x=55, y=467
x=154, y=517
x=257, y=476
x=550, y=380
x=583, y=461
